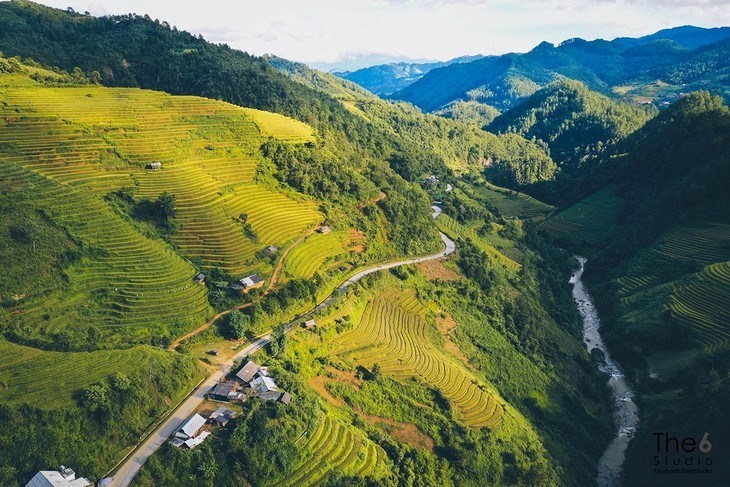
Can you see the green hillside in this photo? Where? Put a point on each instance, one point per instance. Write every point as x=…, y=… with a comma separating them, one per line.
x=574, y=122
x=657, y=240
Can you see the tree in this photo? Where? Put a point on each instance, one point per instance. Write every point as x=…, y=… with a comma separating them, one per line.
x=376, y=373
x=236, y=325
x=277, y=344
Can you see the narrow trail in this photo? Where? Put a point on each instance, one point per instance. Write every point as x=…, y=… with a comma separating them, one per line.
x=135, y=460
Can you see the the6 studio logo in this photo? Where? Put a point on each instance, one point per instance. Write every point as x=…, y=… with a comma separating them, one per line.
x=682, y=455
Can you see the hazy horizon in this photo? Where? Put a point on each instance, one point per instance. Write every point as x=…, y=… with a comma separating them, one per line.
x=330, y=33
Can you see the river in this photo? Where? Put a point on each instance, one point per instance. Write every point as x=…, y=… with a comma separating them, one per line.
x=626, y=413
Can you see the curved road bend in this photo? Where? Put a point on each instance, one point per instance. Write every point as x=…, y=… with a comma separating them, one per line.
x=133, y=464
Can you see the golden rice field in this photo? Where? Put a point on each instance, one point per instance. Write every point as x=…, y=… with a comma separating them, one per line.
x=335, y=446
x=317, y=250
x=69, y=147
x=394, y=333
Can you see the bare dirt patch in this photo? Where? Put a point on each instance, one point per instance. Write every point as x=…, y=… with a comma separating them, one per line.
x=435, y=269
x=405, y=432
x=319, y=384
x=446, y=326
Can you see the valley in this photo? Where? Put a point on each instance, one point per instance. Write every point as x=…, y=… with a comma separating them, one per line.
x=230, y=269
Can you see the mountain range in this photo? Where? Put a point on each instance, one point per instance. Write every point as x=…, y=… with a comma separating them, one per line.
x=654, y=68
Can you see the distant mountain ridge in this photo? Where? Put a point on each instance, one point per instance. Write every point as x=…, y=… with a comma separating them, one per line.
x=502, y=81
x=384, y=79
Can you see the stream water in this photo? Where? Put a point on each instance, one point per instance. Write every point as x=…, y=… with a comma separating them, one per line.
x=626, y=413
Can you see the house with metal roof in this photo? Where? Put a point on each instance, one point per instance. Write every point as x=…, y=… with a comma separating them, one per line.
x=221, y=416
x=248, y=371
x=190, y=427
x=64, y=477
x=223, y=392
x=285, y=398
x=253, y=281
x=265, y=388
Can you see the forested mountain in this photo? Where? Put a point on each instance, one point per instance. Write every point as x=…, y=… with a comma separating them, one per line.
x=501, y=81
x=658, y=235
x=385, y=79
x=574, y=122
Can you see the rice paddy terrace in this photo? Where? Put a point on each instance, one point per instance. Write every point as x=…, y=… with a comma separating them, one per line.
x=590, y=220
x=690, y=266
x=511, y=203
x=395, y=333
x=69, y=147
x=335, y=446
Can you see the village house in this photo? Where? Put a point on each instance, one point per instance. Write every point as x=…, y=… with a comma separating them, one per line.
x=155, y=166
x=285, y=398
x=324, y=229
x=190, y=427
x=271, y=250
x=254, y=281
x=224, y=392
x=248, y=371
x=200, y=279
x=309, y=324
x=64, y=477
x=221, y=416
x=432, y=179
x=189, y=434
x=265, y=388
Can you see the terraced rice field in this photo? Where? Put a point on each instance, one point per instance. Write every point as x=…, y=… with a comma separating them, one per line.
x=455, y=229
x=696, y=261
x=53, y=379
x=394, y=333
x=512, y=203
x=334, y=446
x=590, y=220
x=70, y=147
x=309, y=256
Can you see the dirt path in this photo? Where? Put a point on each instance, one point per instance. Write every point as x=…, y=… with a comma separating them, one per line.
x=372, y=201
x=272, y=283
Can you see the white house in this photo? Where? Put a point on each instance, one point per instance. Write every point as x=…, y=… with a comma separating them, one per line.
x=65, y=477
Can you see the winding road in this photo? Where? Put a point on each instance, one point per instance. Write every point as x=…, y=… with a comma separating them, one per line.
x=134, y=462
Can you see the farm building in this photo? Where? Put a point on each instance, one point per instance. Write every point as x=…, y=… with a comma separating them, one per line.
x=190, y=427
x=265, y=388
x=253, y=281
x=200, y=279
x=324, y=229
x=223, y=392
x=248, y=371
x=64, y=477
x=285, y=398
x=155, y=166
x=191, y=442
x=271, y=250
x=221, y=416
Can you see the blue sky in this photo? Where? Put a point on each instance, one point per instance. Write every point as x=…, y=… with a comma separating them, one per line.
x=336, y=30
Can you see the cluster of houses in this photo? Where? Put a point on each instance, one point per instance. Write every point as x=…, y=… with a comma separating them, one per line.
x=63, y=477
x=193, y=431
x=260, y=384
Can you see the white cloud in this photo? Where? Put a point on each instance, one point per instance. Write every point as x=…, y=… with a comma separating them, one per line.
x=328, y=30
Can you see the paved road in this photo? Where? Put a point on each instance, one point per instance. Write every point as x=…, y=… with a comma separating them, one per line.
x=133, y=464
